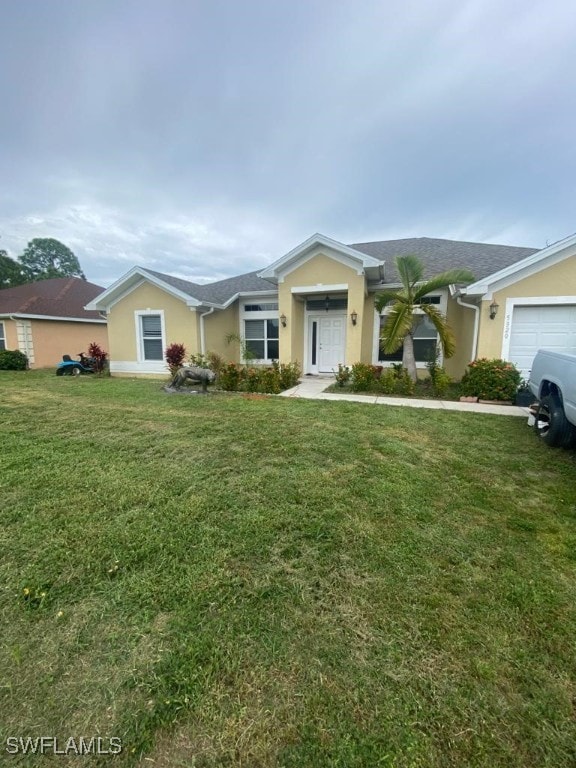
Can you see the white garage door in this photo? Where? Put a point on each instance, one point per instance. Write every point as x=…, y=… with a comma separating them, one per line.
x=536, y=327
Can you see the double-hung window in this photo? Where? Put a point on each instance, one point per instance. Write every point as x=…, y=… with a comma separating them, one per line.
x=261, y=330
x=2, y=336
x=261, y=338
x=151, y=336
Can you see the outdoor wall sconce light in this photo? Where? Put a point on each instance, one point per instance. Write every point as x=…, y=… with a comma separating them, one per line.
x=354, y=317
x=494, y=307
x=283, y=320
x=327, y=303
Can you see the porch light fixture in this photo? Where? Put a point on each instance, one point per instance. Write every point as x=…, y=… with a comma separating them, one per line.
x=283, y=320
x=354, y=317
x=494, y=307
x=327, y=303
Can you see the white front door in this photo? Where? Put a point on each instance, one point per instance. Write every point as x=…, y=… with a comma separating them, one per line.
x=327, y=341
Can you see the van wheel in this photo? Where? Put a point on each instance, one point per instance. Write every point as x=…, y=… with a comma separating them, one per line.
x=551, y=425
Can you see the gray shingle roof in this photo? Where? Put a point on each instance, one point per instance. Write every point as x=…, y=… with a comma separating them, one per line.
x=482, y=259
x=221, y=291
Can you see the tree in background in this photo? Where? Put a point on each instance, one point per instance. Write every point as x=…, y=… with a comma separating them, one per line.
x=10, y=271
x=45, y=257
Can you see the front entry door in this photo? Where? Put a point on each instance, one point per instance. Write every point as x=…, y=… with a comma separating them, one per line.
x=328, y=342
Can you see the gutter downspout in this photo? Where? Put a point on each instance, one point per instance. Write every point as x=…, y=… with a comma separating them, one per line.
x=202, y=335
x=476, y=309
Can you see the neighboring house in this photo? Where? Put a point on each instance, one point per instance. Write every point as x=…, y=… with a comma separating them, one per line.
x=315, y=306
x=47, y=319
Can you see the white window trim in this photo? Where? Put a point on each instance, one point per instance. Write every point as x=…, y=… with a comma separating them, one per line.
x=526, y=301
x=442, y=307
x=140, y=341
x=273, y=314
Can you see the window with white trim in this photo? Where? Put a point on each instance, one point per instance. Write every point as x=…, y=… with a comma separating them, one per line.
x=2, y=336
x=151, y=337
x=425, y=338
x=261, y=338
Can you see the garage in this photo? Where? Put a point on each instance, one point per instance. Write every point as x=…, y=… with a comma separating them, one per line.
x=542, y=326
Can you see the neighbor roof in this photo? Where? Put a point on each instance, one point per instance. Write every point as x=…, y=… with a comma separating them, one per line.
x=437, y=255
x=62, y=297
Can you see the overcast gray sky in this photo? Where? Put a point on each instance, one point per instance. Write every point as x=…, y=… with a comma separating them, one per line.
x=207, y=138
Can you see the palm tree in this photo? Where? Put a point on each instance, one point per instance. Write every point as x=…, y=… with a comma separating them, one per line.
x=399, y=324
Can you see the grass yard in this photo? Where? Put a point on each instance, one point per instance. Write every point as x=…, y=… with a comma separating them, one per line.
x=269, y=583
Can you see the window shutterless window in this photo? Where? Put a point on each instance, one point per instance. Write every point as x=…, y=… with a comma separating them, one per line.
x=261, y=338
x=425, y=341
x=151, y=333
x=2, y=336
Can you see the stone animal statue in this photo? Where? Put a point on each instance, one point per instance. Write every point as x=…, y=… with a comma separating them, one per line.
x=194, y=374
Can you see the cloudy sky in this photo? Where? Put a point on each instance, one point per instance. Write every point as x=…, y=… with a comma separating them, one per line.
x=208, y=137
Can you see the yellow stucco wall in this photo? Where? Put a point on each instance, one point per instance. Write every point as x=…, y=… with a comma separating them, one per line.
x=181, y=322
x=319, y=271
x=461, y=321
x=217, y=326
x=558, y=280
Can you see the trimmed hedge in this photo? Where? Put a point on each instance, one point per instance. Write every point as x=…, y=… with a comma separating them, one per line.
x=270, y=380
x=491, y=380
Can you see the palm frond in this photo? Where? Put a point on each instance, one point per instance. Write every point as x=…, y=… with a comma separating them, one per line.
x=411, y=271
x=445, y=333
x=383, y=298
x=443, y=280
x=397, y=324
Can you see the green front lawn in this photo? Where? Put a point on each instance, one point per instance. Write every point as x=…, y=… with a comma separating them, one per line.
x=254, y=582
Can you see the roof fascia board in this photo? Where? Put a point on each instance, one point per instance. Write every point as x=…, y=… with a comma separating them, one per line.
x=532, y=264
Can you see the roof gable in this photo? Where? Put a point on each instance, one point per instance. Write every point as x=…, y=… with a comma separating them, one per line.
x=312, y=247
x=531, y=264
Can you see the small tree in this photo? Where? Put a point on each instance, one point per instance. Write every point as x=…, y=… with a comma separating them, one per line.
x=44, y=258
x=398, y=328
x=175, y=355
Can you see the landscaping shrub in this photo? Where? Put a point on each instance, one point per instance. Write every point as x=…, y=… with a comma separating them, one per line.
x=13, y=360
x=98, y=357
x=363, y=377
x=385, y=381
x=490, y=380
x=404, y=384
x=266, y=380
x=174, y=356
x=343, y=374
x=388, y=382
x=438, y=377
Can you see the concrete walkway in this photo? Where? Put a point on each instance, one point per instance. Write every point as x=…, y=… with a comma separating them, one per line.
x=312, y=388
